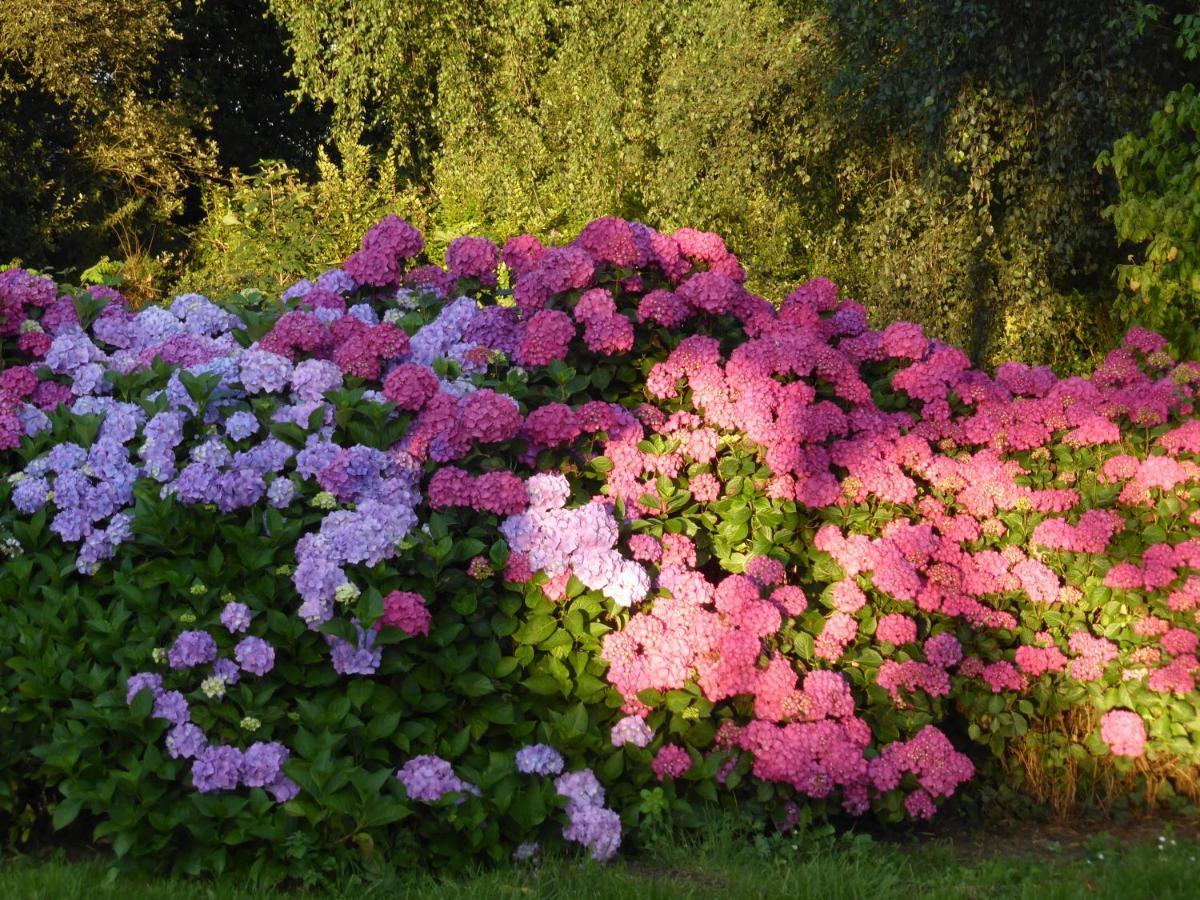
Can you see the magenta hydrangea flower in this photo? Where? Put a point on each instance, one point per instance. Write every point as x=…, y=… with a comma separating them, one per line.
x=473, y=257
x=407, y=611
x=545, y=338
x=410, y=386
x=671, y=761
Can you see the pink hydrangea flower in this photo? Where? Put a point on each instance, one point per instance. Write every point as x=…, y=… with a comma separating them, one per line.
x=1124, y=731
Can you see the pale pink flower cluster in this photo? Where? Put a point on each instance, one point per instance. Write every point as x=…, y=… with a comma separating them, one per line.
x=1124, y=731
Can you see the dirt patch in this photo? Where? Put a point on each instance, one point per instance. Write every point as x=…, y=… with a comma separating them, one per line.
x=1049, y=840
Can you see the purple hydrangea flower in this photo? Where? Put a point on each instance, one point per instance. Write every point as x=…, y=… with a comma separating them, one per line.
x=161, y=435
x=65, y=457
x=31, y=495
x=631, y=730
x=192, y=648
x=336, y=280
x=281, y=492
x=349, y=659
x=255, y=656
x=235, y=617
x=580, y=788
x=185, y=741
x=364, y=312
x=283, y=789
x=262, y=763
x=33, y=420
x=172, y=706
x=264, y=372
x=227, y=670
x=217, y=769
x=237, y=489
x=428, y=778
x=297, y=290
x=268, y=457
x=597, y=828
x=241, y=425
x=140, y=682
x=313, y=377
x=71, y=524
x=539, y=759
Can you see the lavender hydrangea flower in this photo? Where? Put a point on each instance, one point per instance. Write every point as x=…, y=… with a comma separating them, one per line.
x=185, y=741
x=235, y=617
x=227, y=670
x=281, y=492
x=266, y=458
x=216, y=769
x=361, y=659
x=312, y=378
x=296, y=290
x=31, y=495
x=262, y=763
x=71, y=351
x=33, y=420
x=192, y=648
x=264, y=372
x=212, y=452
x=88, y=379
x=526, y=851
x=255, y=655
x=364, y=312
x=172, y=706
x=434, y=340
x=161, y=435
x=241, y=425
x=201, y=316
x=140, y=682
x=597, y=828
x=153, y=325
x=428, y=778
x=337, y=280
x=237, y=489
x=66, y=457
x=283, y=789
x=581, y=788
x=631, y=730
x=195, y=483
x=582, y=540
x=539, y=759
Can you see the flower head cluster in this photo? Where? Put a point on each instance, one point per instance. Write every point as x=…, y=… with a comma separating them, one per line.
x=591, y=824
x=429, y=778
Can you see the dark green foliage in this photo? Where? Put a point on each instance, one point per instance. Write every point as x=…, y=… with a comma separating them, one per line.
x=114, y=115
x=1158, y=208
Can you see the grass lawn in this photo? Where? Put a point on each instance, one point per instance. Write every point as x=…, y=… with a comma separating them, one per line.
x=1149, y=861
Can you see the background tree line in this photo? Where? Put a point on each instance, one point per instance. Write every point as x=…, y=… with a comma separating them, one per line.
x=1019, y=176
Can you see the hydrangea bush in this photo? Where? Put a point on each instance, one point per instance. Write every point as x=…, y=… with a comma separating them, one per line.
x=417, y=568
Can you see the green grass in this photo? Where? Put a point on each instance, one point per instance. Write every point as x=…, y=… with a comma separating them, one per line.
x=721, y=865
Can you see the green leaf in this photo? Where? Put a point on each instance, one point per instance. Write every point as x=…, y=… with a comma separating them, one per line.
x=66, y=812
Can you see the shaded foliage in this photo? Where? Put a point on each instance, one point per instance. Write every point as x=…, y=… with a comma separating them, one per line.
x=116, y=113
